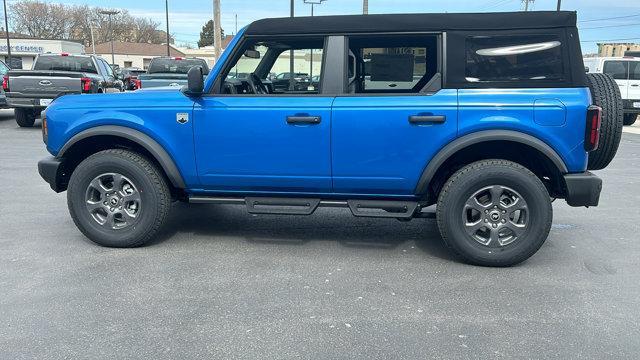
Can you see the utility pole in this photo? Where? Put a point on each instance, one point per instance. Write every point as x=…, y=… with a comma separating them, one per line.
x=166, y=10
x=109, y=13
x=217, y=33
x=292, y=84
x=6, y=31
x=526, y=4
x=312, y=3
x=559, y=4
x=365, y=7
x=93, y=40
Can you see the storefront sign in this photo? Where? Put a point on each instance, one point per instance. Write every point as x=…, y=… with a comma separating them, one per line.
x=23, y=48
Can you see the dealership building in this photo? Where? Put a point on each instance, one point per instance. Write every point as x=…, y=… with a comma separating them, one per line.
x=24, y=49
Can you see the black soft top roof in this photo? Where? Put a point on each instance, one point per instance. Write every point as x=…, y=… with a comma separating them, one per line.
x=413, y=22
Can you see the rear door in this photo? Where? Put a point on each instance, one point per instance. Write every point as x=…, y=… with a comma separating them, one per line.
x=394, y=117
x=619, y=70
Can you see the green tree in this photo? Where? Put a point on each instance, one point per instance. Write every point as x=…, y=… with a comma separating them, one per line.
x=206, y=35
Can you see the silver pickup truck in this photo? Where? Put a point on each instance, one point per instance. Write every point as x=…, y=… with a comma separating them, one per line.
x=169, y=71
x=54, y=75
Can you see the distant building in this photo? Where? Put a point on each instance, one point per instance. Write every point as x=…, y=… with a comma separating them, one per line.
x=128, y=54
x=24, y=49
x=616, y=49
x=208, y=52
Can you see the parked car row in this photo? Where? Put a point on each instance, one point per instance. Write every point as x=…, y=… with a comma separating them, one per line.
x=54, y=75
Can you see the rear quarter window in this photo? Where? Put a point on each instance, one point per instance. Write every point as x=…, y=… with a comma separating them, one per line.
x=518, y=58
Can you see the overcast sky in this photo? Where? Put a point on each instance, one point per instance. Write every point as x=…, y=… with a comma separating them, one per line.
x=186, y=17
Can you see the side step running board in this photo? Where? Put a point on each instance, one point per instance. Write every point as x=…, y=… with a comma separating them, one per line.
x=384, y=209
x=307, y=206
x=285, y=206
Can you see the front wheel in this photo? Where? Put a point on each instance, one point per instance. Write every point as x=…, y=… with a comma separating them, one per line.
x=494, y=213
x=118, y=198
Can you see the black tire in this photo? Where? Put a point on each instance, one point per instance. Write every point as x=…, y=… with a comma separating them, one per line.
x=630, y=119
x=451, y=213
x=149, y=183
x=606, y=94
x=25, y=117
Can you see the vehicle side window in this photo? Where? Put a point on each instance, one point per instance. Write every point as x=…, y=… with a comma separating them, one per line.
x=392, y=64
x=506, y=58
x=265, y=67
x=618, y=69
x=634, y=70
x=100, y=65
x=108, y=69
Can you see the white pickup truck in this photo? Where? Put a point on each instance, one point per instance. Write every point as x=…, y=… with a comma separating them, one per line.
x=626, y=72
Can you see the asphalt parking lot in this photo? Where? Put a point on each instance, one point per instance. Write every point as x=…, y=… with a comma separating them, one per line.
x=223, y=284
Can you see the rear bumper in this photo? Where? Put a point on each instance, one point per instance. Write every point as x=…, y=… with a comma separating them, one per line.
x=21, y=102
x=583, y=189
x=628, y=107
x=51, y=170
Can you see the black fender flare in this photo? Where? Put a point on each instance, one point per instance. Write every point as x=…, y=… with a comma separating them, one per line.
x=142, y=139
x=484, y=136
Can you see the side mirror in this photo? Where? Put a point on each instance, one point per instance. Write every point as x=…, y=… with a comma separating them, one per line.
x=195, y=81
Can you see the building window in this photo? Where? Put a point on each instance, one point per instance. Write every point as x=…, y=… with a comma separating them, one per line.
x=128, y=64
x=15, y=62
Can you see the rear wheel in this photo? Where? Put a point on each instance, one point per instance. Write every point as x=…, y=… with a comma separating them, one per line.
x=494, y=213
x=606, y=94
x=118, y=198
x=629, y=119
x=25, y=117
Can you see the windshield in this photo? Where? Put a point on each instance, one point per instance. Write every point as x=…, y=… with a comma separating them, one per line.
x=65, y=63
x=176, y=66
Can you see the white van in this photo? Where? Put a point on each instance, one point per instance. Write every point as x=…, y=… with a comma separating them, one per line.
x=626, y=72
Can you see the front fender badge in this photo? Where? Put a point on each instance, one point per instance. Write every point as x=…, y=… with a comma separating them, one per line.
x=182, y=118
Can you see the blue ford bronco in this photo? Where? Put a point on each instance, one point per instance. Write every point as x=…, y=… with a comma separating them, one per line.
x=489, y=117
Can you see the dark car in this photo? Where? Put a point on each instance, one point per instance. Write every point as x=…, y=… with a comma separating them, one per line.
x=54, y=75
x=300, y=81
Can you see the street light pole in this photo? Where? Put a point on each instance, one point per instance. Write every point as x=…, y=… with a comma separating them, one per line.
x=6, y=31
x=109, y=13
x=217, y=30
x=166, y=8
x=365, y=7
x=559, y=4
x=312, y=3
x=291, y=80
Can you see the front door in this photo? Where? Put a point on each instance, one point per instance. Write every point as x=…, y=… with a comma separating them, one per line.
x=250, y=138
x=619, y=70
x=634, y=84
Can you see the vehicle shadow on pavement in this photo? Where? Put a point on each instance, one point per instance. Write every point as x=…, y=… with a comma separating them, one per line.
x=6, y=115
x=224, y=222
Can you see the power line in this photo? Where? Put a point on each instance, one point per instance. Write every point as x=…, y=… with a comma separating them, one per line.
x=604, y=40
x=611, y=18
x=609, y=26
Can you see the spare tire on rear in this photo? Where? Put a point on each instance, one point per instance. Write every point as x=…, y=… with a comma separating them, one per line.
x=606, y=94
